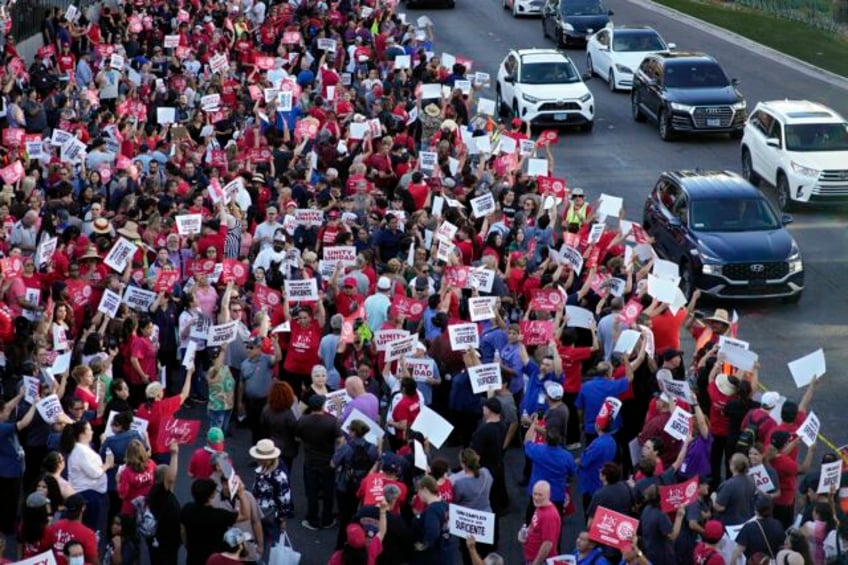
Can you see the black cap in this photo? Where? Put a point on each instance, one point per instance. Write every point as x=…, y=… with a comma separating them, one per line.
x=493, y=405
x=316, y=401
x=74, y=503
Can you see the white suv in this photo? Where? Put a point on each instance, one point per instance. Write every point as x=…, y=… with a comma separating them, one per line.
x=799, y=147
x=544, y=87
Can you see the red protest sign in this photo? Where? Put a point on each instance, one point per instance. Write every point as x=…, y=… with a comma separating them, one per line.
x=291, y=37
x=548, y=136
x=456, y=276
x=265, y=63
x=673, y=497
x=259, y=155
x=265, y=297
x=11, y=267
x=306, y=128
x=408, y=308
x=630, y=312
x=218, y=158
x=596, y=283
x=546, y=299
x=165, y=280
x=12, y=173
x=234, y=270
x=592, y=259
x=13, y=137
x=612, y=529
x=552, y=185
x=639, y=234
x=200, y=267
x=537, y=332
x=183, y=432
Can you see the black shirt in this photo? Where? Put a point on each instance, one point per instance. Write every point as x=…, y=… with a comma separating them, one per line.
x=318, y=433
x=616, y=497
x=754, y=540
x=487, y=441
x=205, y=527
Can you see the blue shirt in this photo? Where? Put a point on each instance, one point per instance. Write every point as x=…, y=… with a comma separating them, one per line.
x=511, y=357
x=492, y=339
x=600, y=451
x=532, y=401
x=594, y=557
x=591, y=398
x=550, y=463
x=462, y=397
x=118, y=443
x=431, y=332
x=11, y=452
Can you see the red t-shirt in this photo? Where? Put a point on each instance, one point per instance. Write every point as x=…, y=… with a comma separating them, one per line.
x=374, y=547
x=132, y=484
x=303, y=348
x=545, y=526
x=666, y=328
x=200, y=465
x=57, y=534
x=419, y=194
x=371, y=490
x=345, y=303
x=790, y=429
x=445, y=494
x=787, y=478
x=572, y=359
x=155, y=415
x=705, y=555
x=143, y=350
x=719, y=423
x=406, y=410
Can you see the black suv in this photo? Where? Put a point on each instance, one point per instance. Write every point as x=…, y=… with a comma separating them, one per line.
x=571, y=22
x=725, y=235
x=687, y=92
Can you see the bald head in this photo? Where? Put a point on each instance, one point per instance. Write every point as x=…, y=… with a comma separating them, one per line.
x=354, y=386
x=541, y=493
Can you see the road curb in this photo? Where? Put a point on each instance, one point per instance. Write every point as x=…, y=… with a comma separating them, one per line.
x=794, y=63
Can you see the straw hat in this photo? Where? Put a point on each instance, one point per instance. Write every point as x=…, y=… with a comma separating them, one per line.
x=724, y=385
x=101, y=226
x=130, y=231
x=720, y=316
x=432, y=110
x=264, y=449
x=90, y=253
x=448, y=124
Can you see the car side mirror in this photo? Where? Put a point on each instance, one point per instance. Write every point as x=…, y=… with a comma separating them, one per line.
x=735, y=81
x=510, y=79
x=773, y=142
x=587, y=76
x=672, y=46
x=603, y=47
x=786, y=219
x=674, y=222
x=610, y=13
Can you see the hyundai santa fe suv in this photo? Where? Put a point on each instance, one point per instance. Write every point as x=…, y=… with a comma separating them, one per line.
x=725, y=236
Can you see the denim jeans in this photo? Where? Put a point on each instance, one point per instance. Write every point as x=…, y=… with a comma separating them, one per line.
x=220, y=419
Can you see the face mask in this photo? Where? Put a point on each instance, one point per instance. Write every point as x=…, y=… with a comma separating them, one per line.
x=78, y=560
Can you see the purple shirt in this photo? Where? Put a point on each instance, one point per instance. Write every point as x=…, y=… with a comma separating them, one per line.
x=366, y=403
x=697, y=460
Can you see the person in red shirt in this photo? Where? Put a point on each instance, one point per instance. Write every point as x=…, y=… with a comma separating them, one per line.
x=791, y=417
x=305, y=335
x=348, y=300
x=358, y=544
x=142, y=361
x=705, y=552
x=666, y=326
x=541, y=537
x=418, y=190
x=157, y=409
x=214, y=235
x=200, y=464
x=407, y=410
x=787, y=467
x=135, y=477
x=371, y=488
x=721, y=390
x=572, y=368
x=70, y=527
x=66, y=60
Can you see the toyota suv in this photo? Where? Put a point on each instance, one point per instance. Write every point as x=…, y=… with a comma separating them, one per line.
x=800, y=148
x=725, y=235
x=544, y=87
x=687, y=92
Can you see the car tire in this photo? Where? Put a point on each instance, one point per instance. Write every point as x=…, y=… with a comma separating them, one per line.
x=794, y=299
x=664, y=127
x=748, y=168
x=611, y=81
x=590, y=68
x=635, y=110
x=588, y=126
x=784, y=198
x=687, y=278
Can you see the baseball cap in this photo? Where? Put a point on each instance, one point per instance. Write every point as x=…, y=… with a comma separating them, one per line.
x=770, y=399
x=355, y=536
x=37, y=500
x=553, y=390
x=577, y=192
x=713, y=531
x=350, y=281
x=516, y=122
x=215, y=438
x=384, y=283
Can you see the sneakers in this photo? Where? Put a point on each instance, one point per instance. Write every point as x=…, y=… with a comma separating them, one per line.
x=309, y=526
x=331, y=525
x=574, y=446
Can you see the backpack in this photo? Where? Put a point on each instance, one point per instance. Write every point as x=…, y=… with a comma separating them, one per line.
x=146, y=522
x=355, y=469
x=748, y=436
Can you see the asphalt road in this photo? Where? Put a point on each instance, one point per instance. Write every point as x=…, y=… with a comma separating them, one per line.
x=624, y=158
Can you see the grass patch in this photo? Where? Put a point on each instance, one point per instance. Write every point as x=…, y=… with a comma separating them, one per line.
x=823, y=49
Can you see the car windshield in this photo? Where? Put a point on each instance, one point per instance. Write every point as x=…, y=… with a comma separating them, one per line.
x=726, y=215
x=695, y=75
x=549, y=73
x=583, y=8
x=817, y=137
x=636, y=42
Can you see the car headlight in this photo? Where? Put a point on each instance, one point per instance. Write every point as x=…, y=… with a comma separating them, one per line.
x=741, y=105
x=805, y=171
x=567, y=27
x=623, y=69
x=586, y=97
x=680, y=107
x=530, y=99
x=796, y=265
x=711, y=269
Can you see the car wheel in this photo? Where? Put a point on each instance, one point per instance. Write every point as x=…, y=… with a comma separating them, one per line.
x=635, y=110
x=589, y=67
x=794, y=299
x=588, y=126
x=784, y=199
x=664, y=126
x=611, y=81
x=687, y=278
x=748, y=167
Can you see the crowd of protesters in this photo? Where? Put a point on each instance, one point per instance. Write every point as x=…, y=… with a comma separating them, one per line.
x=282, y=174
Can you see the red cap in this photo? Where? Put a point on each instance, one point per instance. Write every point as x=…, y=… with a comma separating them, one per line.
x=355, y=536
x=516, y=122
x=713, y=531
x=350, y=281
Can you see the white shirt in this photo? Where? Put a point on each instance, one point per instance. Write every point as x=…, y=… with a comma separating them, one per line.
x=264, y=234
x=85, y=469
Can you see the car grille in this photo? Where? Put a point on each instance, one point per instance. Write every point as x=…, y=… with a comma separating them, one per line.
x=756, y=290
x=701, y=114
x=755, y=271
x=559, y=106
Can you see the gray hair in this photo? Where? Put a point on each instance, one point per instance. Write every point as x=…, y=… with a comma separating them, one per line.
x=319, y=370
x=494, y=559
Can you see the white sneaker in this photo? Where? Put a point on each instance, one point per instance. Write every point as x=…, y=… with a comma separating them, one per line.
x=574, y=446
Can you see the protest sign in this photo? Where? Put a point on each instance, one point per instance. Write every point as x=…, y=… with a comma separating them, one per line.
x=579, y=317
x=403, y=346
x=45, y=558
x=808, y=367
x=221, y=334
x=808, y=431
x=630, y=312
x=762, y=480
x=573, y=257
x=188, y=357
x=420, y=457
x=49, y=408
x=463, y=336
x=664, y=290
x=609, y=206
x=421, y=370
x=744, y=359
x=345, y=254
x=109, y=303
x=432, y=426
x=234, y=270
x=11, y=266
x=537, y=167
x=138, y=424
x=673, y=497
x=139, y=299
x=171, y=41
x=482, y=308
x=382, y=338
x=165, y=280
x=482, y=206
x=337, y=401
x=301, y=290
x=265, y=297
x=465, y=522
x=308, y=217
x=627, y=341
x=122, y=252
x=665, y=270
x=32, y=387
x=536, y=332
x=375, y=432
x=486, y=106
x=830, y=477
x=183, y=432
x=546, y=300
x=408, y=308
x=189, y=224
x=564, y=559
x=612, y=528
x=485, y=377
x=678, y=424
x=446, y=232
x=481, y=278
x=677, y=389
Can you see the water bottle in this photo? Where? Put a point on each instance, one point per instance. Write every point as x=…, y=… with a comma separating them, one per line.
x=497, y=356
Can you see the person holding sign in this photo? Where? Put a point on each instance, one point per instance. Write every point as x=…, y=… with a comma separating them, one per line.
x=305, y=337
x=657, y=531
x=12, y=465
x=157, y=410
x=788, y=469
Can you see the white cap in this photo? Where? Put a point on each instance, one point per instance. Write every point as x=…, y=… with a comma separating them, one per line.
x=553, y=390
x=384, y=283
x=770, y=399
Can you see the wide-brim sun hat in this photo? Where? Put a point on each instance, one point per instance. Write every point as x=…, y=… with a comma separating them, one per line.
x=264, y=450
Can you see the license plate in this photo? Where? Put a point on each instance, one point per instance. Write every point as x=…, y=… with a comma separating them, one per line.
x=713, y=122
x=560, y=116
